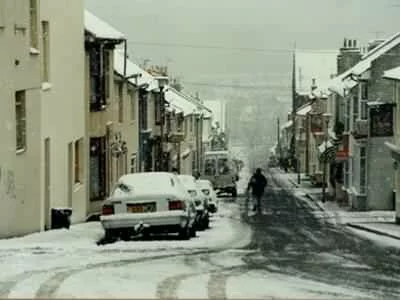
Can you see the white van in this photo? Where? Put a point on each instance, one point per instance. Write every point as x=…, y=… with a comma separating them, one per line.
x=220, y=169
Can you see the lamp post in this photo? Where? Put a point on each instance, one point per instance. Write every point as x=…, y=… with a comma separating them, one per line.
x=326, y=117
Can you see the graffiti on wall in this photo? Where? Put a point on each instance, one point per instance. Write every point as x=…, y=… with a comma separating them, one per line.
x=7, y=181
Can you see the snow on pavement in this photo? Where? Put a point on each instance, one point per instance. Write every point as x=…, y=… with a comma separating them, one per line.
x=378, y=239
x=266, y=285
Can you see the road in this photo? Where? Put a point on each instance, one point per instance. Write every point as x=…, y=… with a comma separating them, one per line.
x=288, y=251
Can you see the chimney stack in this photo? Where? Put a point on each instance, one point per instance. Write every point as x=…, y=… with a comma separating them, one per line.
x=349, y=55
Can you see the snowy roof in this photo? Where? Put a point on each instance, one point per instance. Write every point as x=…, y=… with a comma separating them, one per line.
x=132, y=68
x=101, y=29
x=176, y=99
x=339, y=83
x=287, y=124
x=392, y=74
x=143, y=183
x=314, y=65
x=302, y=111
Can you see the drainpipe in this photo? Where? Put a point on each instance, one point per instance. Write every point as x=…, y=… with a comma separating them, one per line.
x=125, y=56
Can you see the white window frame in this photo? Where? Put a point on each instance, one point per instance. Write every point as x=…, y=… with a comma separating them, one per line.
x=20, y=121
x=363, y=109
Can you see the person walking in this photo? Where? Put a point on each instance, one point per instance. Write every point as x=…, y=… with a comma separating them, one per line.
x=257, y=185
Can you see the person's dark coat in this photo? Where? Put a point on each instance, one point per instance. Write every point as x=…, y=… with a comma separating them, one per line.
x=257, y=183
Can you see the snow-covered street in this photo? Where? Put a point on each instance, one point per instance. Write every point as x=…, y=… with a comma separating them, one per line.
x=286, y=252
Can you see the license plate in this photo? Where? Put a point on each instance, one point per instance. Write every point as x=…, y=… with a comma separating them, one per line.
x=142, y=207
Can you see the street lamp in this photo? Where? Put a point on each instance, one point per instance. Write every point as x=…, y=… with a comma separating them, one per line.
x=326, y=117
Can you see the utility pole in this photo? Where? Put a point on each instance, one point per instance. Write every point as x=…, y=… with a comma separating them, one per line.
x=279, y=141
x=294, y=107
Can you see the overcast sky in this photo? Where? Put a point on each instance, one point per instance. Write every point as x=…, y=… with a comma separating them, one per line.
x=257, y=24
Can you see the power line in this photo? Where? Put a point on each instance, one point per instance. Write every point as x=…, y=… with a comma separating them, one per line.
x=214, y=47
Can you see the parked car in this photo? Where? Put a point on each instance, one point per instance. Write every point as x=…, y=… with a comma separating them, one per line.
x=152, y=202
x=202, y=216
x=208, y=191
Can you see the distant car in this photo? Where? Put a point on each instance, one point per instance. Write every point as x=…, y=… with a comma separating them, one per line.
x=202, y=216
x=208, y=191
x=152, y=202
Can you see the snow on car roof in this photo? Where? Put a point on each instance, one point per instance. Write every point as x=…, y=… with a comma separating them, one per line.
x=150, y=182
x=188, y=181
x=204, y=183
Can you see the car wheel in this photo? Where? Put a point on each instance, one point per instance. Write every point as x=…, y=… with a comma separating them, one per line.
x=110, y=235
x=126, y=235
x=207, y=223
x=234, y=193
x=193, y=232
x=184, y=233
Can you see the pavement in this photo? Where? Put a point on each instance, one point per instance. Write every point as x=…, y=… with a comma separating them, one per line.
x=377, y=222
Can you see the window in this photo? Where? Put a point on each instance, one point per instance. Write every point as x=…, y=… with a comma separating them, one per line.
x=33, y=20
x=364, y=91
x=364, y=101
x=180, y=120
x=186, y=121
x=78, y=161
x=223, y=167
x=2, y=15
x=355, y=108
x=347, y=115
x=169, y=122
x=97, y=95
x=210, y=167
x=45, y=51
x=363, y=169
x=143, y=112
x=364, y=109
x=106, y=70
x=120, y=87
x=157, y=109
x=20, y=119
x=191, y=123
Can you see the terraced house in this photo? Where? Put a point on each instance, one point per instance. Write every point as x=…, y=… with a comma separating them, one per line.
x=368, y=121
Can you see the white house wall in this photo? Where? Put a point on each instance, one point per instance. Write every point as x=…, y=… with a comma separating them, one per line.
x=20, y=176
x=63, y=114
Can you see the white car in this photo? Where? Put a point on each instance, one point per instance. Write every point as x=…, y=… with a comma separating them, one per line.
x=201, y=202
x=208, y=191
x=152, y=202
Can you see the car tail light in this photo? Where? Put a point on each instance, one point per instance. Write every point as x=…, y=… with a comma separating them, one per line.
x=107, y=210
x=176, y=205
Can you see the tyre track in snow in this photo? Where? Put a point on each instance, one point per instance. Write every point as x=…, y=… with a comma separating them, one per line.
x=48, y=288
x=216, y=285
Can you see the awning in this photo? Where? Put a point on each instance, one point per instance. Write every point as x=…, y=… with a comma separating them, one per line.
x=186, y=153
x=304, y=110
x=393, y=74
x=338, y=85
x=176, y=100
